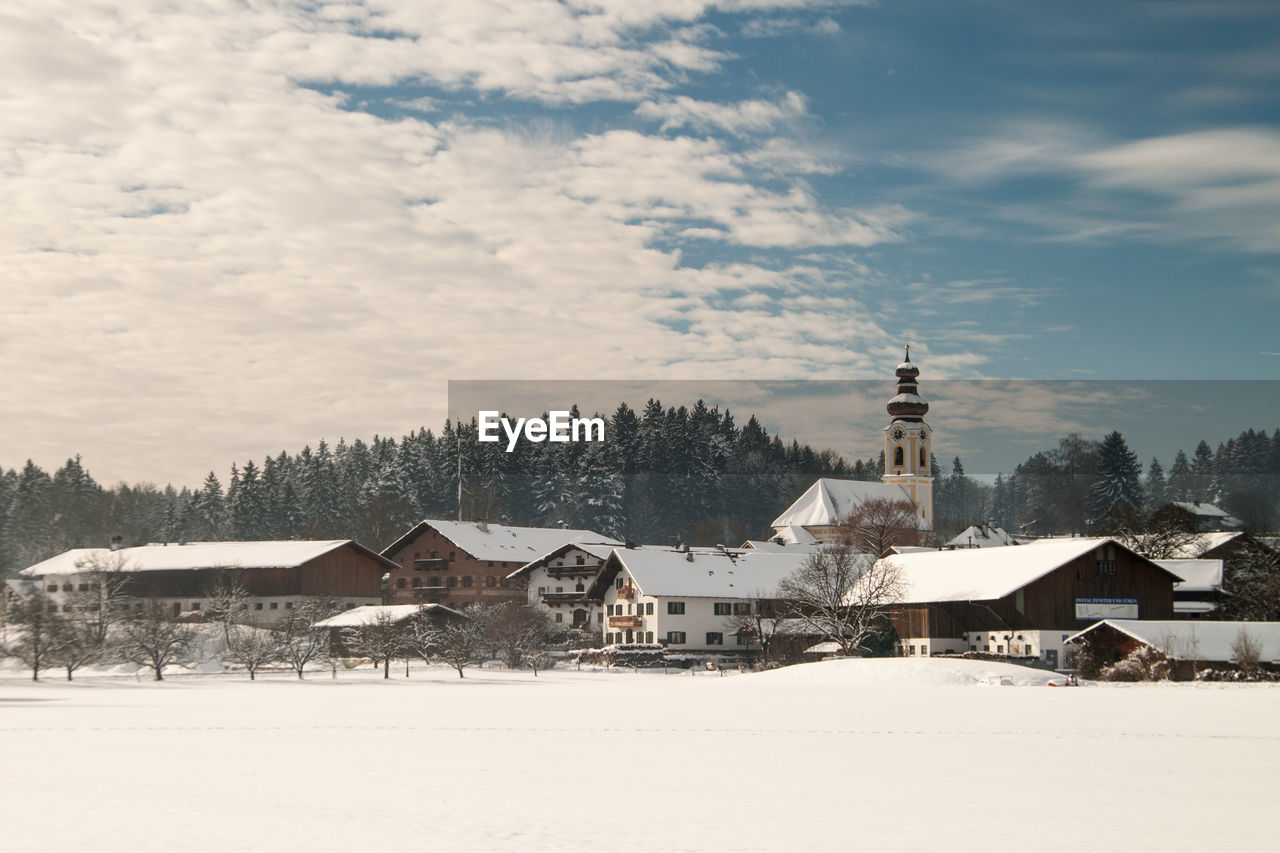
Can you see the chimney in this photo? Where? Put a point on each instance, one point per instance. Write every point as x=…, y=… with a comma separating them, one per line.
x=482, y=526
x=688, y=556
x=117, y=542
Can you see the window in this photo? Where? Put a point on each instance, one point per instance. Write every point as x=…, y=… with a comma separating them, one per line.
x=913, y=650
x=999, y=650
x=434, y=555
x=715, y=638
x=417, y=583
x=1107, y=568
x=491, y=581
x=599, y=618
x=66, y=587
x=288, y=605
x=275, y=605
x=453, y=580
x=400, y=583
x=648, y=636
x=433, y=581
x=195, y=605
x=491, y=564
x=257, y=605
x=675, y=608
x=451, y=553
x=897, y=459
x=579, y=587
x=53, y=587
x=559, y=617
x=84, y=587
x=922, y=460
x=722, y=608
x=466, y=580
x=741, y=638
x=505, y=582
x=617, y=584
x=559, y=589
x=742, y=609
x=675, y=638
x=581, y=561
x=648, y=608
x=609, y=607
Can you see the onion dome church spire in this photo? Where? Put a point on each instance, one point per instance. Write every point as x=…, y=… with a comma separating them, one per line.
x=908, y=441
x=908, y=405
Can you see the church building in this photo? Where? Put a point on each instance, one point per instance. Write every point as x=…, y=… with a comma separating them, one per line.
x=815, y=516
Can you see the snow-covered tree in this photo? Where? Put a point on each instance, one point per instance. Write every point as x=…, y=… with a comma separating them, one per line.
x=150, y=638
x=840, y=593
x=1116, y=495
x=380, y=639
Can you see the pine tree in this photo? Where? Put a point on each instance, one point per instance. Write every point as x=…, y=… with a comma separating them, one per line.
x=1116, y=495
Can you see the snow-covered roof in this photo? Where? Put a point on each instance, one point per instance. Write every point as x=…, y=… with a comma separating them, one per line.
x=711, y=573
x=1209, y=512
x=793, y=534
x=1195, y=640
x=984, y=574
x=501, y=541
x=1204, y=543
x=370, y=613
x=776, y=546
x=982, y=536
x=599, y=550
x=283, y=554
x=1197, y=575
x=828, y=501
x=828, y=647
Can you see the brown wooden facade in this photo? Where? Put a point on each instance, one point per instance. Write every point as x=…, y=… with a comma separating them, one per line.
x=432, y=568
x=349, y=571
x=1049, y=602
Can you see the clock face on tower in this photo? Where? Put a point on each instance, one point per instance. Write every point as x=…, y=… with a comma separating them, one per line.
x=898, y=434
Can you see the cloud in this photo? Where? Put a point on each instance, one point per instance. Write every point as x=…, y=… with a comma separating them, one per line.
x=741, y=117
x=214, y=261
x=1218, y=185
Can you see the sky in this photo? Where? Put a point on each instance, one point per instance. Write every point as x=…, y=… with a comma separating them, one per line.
x=232, y=227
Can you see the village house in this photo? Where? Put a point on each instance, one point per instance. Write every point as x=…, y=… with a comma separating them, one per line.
x=275, y=574
x=1025, y=601
x=558, y=582
x=688, y=600
x=460, y=562
x=1200, y=590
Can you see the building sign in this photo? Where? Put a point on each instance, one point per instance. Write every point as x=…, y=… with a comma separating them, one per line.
x=1106, y=608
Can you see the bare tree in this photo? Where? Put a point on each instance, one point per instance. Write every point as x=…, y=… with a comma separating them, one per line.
x=1251, y=583
x=36, y=616
x=877, y=525
x=301, y=642
x=253, y=648
x=462, y=643
x=840, y=594
x=380, y=639
x=150, y=638
x=73, y=642
x=1246, y=652
x=516, y=629
x=102, y=598
x=764, y=620
x=1162, y=535
x=225, y=597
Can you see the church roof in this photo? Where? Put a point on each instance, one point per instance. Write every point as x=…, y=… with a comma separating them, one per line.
x=828, y=501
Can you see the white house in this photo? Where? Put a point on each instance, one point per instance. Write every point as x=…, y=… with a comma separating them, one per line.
x=558, y=582
x=687, y=599
x=1199, y=590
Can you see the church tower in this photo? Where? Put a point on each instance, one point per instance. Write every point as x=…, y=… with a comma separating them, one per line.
x=907, y=441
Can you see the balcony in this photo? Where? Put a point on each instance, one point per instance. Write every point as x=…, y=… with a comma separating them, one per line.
x=625, y=621
x=566, y=571
x=434, y=565
x=563, y=597
x=626, y=593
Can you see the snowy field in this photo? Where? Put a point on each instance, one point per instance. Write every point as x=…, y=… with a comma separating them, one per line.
x=906, y=755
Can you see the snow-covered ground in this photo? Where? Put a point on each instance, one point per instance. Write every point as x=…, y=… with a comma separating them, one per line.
x=881, y=754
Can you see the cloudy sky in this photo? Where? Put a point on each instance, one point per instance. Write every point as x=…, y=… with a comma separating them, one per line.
x=231, y=227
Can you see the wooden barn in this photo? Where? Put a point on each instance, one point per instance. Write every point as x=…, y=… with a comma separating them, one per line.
x=1024, y=601
x=1189, y=646
x=276, y=574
